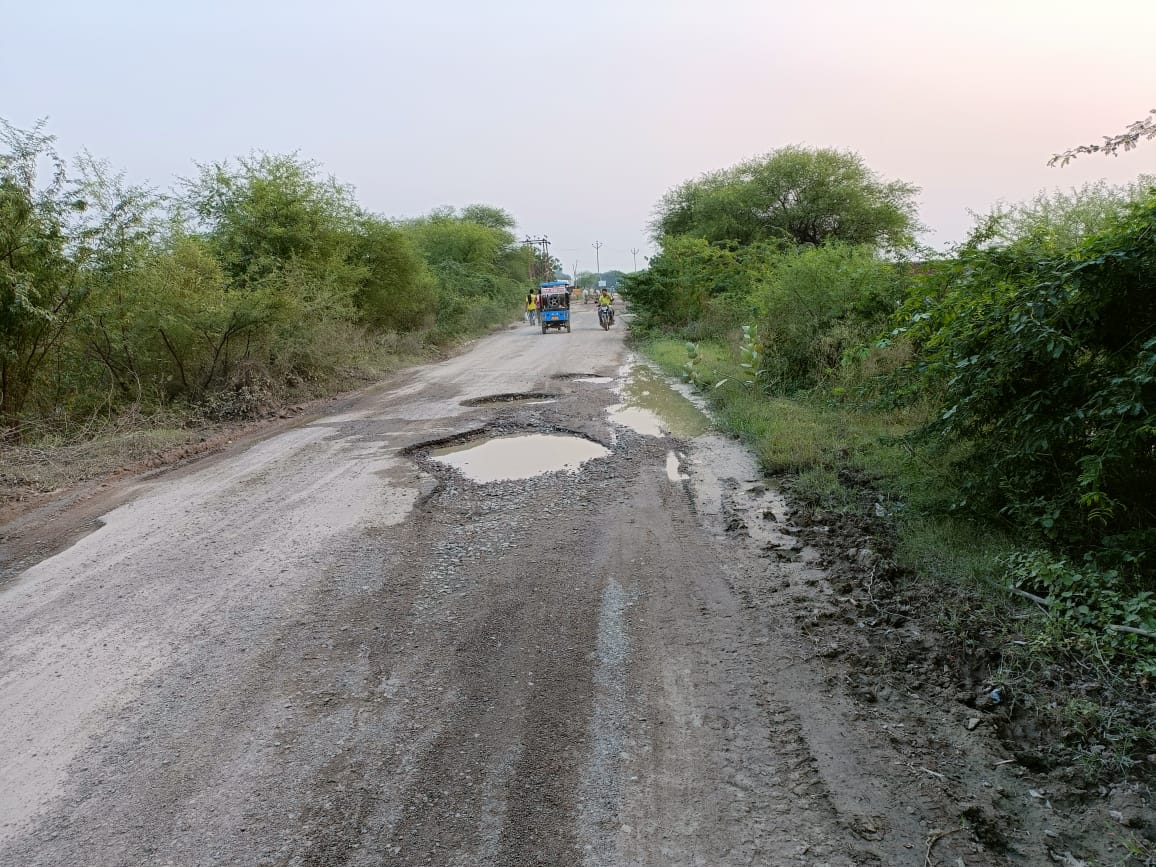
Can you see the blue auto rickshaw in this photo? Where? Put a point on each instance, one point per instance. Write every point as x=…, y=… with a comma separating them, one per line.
x=554, y=305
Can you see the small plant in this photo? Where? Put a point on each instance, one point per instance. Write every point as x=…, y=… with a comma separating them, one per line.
x=750, y=359
x=750, y=354
x=690, y=370
x=1090, y=607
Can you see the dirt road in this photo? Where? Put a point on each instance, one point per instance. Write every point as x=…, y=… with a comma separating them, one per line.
x=329, y=647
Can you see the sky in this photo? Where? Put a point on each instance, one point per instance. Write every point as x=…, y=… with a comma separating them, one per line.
x=576, y=117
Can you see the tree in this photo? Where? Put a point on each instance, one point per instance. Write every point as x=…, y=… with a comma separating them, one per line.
x=62, y=242
x=1125, y=141
x=269, y=210
x=445, y=237
x=38, y=278
x=394, y=292
x=794, y=195
x=489, y=216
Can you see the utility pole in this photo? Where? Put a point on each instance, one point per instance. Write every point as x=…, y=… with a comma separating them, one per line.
x=634, y=253
x=597, y=245
x=540, y=258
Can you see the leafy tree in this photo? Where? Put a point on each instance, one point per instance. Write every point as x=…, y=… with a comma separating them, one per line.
x=793, y=195
x=269, y=210
x=395, y=291
x=61, y=242
x=478, y=270
x=1057, y=221
x=490, y=217
x=39, y=289
x=262, y=274
x=445, y=238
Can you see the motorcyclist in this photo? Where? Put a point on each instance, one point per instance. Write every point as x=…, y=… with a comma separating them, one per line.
x=605, y=299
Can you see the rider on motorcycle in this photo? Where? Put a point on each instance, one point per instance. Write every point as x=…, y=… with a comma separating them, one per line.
x=605, y=299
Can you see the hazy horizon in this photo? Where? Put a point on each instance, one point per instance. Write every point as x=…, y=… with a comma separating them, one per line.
x=577, y=119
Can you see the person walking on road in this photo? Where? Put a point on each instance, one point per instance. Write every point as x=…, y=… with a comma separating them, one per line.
x=531, y=308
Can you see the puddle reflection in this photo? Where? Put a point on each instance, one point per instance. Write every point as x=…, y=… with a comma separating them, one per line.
x=652, y=408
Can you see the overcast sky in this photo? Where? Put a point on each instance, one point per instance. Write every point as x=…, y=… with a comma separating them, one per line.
x=577, y=116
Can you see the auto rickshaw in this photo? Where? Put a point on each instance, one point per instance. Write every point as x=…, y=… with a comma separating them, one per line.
x=554, y=305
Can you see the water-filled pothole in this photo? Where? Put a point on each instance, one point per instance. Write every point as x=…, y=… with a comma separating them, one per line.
x=512, y=397
x=651, y=407
x=506, y=458
x=575, y=376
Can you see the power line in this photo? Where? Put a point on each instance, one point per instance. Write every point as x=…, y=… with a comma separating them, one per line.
x=634, y=253
x=597, y=245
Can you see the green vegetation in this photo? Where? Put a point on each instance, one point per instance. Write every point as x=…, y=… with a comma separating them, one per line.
x=1000, y=401
x=255, y=281
x=795, y=196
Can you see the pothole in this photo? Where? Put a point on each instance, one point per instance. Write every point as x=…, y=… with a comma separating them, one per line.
x=652, y=408
x=522, y=456
x=569, y=376
x=530, y=397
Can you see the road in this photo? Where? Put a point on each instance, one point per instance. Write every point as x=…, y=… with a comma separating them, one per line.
x=324, y=647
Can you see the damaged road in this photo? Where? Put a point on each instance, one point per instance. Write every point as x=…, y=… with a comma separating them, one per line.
x=363, y=641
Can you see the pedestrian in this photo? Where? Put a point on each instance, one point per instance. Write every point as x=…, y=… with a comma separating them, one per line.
x=531, y=308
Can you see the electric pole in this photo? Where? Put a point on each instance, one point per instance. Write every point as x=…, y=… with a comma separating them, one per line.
x=634, y=253
x=540, y=260
x=597, y=245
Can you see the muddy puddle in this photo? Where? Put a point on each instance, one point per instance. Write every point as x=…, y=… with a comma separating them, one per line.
x=650, y=406
x=518, y=457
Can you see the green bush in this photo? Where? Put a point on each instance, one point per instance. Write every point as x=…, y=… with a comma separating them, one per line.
x=815, y=304
x=1046, y=366
x=1090, y=607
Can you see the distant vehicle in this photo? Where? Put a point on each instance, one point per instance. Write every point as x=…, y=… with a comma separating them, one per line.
x=554, y=305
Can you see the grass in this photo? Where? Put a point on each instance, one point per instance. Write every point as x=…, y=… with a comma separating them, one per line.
x=52, y=462
x=815, y=444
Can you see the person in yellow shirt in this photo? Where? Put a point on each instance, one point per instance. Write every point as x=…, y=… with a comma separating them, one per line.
x=605, y=299
x=531, y=308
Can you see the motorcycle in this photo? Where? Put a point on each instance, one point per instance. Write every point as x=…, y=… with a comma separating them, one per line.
x=605, y=316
